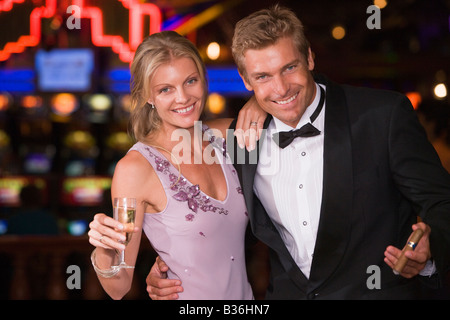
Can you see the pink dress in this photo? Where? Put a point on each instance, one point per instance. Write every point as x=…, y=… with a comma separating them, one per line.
x=200, y=238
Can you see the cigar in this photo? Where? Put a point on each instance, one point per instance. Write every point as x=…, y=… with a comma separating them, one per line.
x=410, y=246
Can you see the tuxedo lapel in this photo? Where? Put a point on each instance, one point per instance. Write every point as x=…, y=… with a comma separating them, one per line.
x=245, y=163
x=262, y=225
x=334, y=224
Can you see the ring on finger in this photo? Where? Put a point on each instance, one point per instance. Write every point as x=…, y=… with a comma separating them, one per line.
x=253, y=123
x=101, y=239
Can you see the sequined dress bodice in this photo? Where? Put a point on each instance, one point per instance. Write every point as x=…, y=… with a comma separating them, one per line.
x=200, y=238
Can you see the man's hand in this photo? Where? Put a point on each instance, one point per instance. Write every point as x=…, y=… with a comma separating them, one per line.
x=417, y=259
x=158, y=286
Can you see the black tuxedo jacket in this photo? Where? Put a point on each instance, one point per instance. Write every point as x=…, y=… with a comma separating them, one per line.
x=380, y=173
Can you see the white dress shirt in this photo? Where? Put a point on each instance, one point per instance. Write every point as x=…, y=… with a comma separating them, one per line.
x=288, y=183
x=291, y=193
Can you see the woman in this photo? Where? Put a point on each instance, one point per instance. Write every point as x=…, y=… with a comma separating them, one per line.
x=189, y=199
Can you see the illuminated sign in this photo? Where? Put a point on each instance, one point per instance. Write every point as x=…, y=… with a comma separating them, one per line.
x=125, y=50
x=64, y=69
x=86, y=191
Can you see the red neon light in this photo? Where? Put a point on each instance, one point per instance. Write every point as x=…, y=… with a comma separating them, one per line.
x=35, y=28
x=7, y=5
x=117, y=43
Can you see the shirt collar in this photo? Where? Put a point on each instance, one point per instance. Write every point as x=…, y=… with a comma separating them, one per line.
x=281, y=126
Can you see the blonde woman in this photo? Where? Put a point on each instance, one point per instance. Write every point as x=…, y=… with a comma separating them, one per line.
x=190, y=203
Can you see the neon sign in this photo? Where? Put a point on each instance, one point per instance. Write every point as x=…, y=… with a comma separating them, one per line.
x=7, y=5
x=124, y=50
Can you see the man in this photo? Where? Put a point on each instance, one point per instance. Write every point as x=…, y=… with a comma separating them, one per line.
x=335, y=200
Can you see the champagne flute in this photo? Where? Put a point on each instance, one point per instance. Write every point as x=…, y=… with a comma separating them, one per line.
x=124, y=211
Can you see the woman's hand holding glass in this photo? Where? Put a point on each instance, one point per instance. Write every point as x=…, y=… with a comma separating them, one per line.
x=113, y=235
x=106, y=232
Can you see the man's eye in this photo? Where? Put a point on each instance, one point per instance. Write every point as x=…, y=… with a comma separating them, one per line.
x=262, y=77
x=290, y=68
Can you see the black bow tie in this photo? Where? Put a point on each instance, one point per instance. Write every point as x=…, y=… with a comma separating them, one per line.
x=284, y=138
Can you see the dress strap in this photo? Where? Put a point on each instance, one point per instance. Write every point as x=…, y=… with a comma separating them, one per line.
x=216, y=142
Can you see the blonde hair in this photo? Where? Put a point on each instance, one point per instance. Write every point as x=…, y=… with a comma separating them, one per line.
x=156, y=50
x=264, y=28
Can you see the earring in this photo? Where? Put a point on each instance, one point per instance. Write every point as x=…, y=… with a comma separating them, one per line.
x=152, y=105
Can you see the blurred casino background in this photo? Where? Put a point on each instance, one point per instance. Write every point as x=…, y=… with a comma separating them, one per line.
x=64, y=104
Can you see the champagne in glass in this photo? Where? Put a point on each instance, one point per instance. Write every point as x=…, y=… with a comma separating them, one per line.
x=125, y=212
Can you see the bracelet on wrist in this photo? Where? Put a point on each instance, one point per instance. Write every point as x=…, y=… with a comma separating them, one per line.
x=104, y=273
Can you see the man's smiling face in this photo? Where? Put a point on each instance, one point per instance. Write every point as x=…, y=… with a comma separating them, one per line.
x=281, y=80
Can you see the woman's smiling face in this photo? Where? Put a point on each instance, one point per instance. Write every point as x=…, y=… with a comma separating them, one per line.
x=178, y=93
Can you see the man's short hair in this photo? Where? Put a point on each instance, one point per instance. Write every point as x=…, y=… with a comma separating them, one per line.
x=264, y=28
